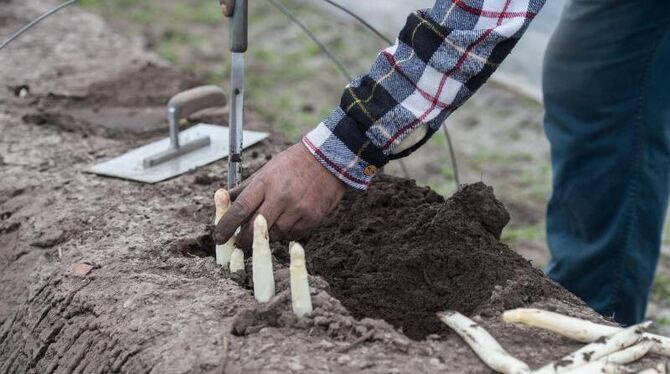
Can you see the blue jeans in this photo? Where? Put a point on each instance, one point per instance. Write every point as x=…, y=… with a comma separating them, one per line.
x=606, y=87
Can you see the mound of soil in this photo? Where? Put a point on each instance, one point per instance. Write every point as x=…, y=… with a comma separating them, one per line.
x=401, y=253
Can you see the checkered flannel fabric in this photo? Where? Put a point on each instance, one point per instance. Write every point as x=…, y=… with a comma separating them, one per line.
x=441, y=57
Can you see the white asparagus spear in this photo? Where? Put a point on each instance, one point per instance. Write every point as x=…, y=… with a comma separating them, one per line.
x=301, y=300
x=600, y=348
x=599, y=368
x=237, y=261
x=613, y=363
x=222, y=204
x=575, y=328
x=261, y=261
x=630, y=354
x=483, y=344
x=649, y=371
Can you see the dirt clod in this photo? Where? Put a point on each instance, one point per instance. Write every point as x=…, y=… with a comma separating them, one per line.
x=253, y=319
x=201, y=246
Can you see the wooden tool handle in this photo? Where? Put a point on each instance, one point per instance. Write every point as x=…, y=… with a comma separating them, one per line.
x=197, y=99
x=227, y=7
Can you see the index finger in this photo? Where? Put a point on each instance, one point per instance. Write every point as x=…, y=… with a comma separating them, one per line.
x=237, y=190
x=240, y=211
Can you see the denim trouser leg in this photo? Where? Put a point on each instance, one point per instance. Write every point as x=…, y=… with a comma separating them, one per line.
x=607, y=98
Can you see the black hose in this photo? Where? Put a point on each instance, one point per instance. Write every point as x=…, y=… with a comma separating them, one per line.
x=35, y=22
x=361, y=20
x=452, y=155
x=315, y=39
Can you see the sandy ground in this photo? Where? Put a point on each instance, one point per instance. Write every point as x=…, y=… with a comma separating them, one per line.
x=152, y=302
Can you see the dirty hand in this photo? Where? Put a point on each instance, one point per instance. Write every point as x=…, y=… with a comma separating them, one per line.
x=293, y=191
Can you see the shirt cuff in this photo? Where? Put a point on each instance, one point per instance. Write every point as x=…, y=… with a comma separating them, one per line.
x=335, y=156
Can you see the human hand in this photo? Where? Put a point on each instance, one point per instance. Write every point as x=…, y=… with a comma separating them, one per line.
x=293, y=191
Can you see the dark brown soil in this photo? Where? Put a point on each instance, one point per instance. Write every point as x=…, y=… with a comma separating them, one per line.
x=401, y=253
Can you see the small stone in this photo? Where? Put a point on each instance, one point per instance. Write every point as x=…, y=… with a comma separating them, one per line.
x=22, y=91
x=344, y=359
x=295, y=366
x=128, y=303
x=361, y=330
x=321, y=321
x=82, y=268
x=364, y=364
x=326, y=344
x=401, y=343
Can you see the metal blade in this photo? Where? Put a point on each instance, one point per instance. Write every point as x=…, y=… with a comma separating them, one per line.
x=131, y=166
x=236, y=119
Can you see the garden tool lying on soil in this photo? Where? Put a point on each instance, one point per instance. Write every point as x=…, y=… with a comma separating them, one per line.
x=184, y=150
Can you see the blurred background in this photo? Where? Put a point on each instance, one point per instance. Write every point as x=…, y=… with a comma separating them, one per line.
x=291, y=84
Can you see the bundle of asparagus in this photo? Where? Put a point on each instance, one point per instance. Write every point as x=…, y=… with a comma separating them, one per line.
x=609, y=350
x=575, y=328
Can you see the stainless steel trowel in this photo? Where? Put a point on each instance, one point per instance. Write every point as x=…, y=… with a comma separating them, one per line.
x=184, y=150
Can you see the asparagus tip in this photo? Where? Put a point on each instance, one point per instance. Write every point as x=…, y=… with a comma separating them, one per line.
x=261, y=225
x=296, y=251
x=221, y=199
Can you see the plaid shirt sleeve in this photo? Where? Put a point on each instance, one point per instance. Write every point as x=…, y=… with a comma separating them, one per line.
x=441, y=57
